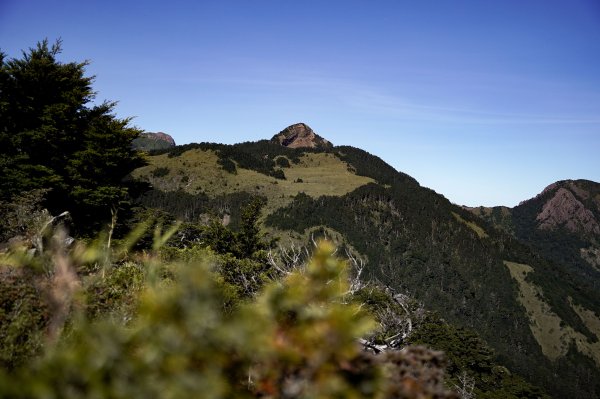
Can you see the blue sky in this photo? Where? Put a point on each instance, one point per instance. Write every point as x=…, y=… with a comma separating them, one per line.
x=486, y=102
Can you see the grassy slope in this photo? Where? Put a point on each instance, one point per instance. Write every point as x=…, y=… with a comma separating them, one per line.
x=499, y=216
x=547, y=327
x=197, y=171
x=472, y=225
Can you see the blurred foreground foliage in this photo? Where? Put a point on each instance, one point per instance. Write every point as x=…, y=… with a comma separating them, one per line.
x=107, y=322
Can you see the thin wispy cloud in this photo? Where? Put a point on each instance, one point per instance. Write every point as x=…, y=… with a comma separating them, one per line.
x=398, y=107
x=369, y=98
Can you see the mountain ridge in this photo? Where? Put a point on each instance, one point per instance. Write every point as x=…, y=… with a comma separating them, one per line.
x=412, y=238
x=567, y=211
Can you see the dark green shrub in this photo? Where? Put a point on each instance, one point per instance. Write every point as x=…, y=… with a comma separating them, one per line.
x=160, y=172
x=282, y=162
x=278, y=174
x=228, y=165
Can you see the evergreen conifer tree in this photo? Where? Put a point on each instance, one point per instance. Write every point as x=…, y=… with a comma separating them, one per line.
x=53, y=137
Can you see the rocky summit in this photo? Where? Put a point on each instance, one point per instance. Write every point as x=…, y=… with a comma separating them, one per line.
x=566, y=208
x=300, y=135
x=153, y=141
x=160, y=136
x=562, y=222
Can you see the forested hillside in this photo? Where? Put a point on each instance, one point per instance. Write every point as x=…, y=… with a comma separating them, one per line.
x=411, y=239
x=562, y=222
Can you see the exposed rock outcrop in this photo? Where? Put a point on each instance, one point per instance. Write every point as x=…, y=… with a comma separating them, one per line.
x=299, y=135
x=153, y=141
x=566, y=210
x=160, y=136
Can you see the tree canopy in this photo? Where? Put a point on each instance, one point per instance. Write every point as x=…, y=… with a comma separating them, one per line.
x=53, y=136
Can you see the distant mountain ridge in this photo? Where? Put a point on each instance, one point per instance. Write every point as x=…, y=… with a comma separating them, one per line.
x=565, y=212
x=476, y=267
x=153, y=141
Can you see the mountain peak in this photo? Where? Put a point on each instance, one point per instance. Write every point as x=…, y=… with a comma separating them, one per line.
x=300, y=135
x=566, y=207
x=159, y=136
x=153, y=141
